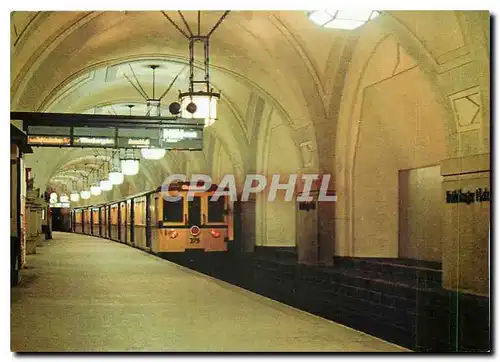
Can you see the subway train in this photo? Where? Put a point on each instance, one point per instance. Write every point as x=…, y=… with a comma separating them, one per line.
x=152, y=222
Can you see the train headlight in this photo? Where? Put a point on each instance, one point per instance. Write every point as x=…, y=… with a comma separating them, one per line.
x=215, y=233
x=173, y=233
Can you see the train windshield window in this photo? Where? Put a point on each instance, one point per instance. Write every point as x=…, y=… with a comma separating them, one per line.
x=173, y=210
x=216, y=210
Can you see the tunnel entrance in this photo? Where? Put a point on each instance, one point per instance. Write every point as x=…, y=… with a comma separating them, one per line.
x=61, y=219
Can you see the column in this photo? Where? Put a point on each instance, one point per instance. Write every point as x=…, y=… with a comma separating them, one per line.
x=466, y=221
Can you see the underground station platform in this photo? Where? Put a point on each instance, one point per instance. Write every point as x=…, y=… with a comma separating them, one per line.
x=87, y=294
x=213, y=181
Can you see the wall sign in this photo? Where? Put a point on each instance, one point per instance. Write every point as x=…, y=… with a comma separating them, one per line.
x=305, y=205
x=458, y=196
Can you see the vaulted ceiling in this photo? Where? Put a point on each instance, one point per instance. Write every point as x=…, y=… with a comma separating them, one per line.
x=78, y=61
x=280, y=75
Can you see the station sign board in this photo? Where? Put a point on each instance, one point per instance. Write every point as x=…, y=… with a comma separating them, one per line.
x=49, y=141
x=54, y=130
x=182, y=138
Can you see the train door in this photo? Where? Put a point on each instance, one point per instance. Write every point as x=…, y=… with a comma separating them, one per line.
x=73, y=220
x=108, y=217
x=148, y=220
x=83, y=221
x=130, y=218
x=119, y=222
x=194, y=211
x=123, y=222
x=101, y=220
x=91, y=212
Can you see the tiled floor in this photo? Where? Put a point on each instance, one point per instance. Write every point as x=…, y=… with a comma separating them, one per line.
x=81, y=293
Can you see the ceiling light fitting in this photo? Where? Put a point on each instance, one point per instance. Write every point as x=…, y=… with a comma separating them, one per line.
x=200, y=101
x=342, y=19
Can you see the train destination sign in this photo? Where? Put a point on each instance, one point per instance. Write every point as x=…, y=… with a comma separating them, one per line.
x=94, y=141
x=111, y=131
x=182, y=138
x=48, y=141
x=138, y=138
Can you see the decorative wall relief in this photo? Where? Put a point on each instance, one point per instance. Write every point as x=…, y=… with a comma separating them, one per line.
x=306, y=151
x=467, y=110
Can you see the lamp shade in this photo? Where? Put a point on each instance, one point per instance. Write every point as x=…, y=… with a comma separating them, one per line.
x=116, y=178
x=106, y=185
x=130, y=167
x=53, y=196
x=74, y=197
x=206, y=106
x=95, y=190
x=85, y=194
x=153, y=153
x=64, y=198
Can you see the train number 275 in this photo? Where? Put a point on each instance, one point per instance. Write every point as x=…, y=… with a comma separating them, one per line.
x=194, y=240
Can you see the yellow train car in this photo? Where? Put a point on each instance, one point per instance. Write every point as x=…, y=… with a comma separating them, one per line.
x=186, y=224
x=152, y=222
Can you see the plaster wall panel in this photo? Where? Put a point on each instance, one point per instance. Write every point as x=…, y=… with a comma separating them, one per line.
x=420, y=212
x=466, y=227
x=399, y=129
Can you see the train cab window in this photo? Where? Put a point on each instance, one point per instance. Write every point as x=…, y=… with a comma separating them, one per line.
x=216, y=210
x=173, y=210
x=194, y=211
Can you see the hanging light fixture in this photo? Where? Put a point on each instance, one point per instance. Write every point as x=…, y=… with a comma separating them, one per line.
x=53, y=197
x=85, y=193
x=153, y=105
x=129, y=163
x=95, y=189
x=105, y=184
x=115, y=173
x=64, y=197
x=74, y=196
x=153, y=153
x=200, y=101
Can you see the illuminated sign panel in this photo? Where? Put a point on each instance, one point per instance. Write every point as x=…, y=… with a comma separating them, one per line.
x=60, y=204
x=49, y=140
x=138, y=142
x=182, y=138
x=93, y=141
x=138, y=137
x=49, y=131
x=111, y=131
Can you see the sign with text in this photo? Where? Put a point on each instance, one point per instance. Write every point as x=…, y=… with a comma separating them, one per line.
x=93, y=141
x=49, y=141
x=468, y=197
x=113, y=131
x=182, y=138
x=138, y=138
